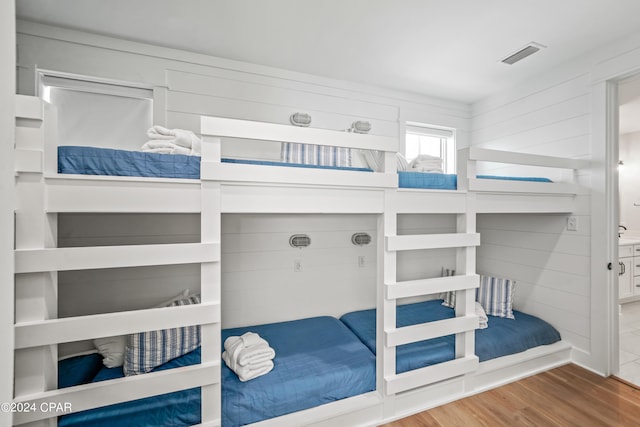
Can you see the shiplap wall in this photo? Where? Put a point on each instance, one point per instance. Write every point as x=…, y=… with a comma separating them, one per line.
x=550, y=264
x=259, y=282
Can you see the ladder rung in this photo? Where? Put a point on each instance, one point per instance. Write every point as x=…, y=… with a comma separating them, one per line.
x=413, y=288
x=430, y=374
x=432, y=241
x=425, y=331
x=70, y=329
x=103, y=393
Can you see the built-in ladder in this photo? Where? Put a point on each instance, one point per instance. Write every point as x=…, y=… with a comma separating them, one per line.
x=38, y=259
x=390, y=290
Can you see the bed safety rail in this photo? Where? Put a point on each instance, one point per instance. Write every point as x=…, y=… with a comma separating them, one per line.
x=467, y=172
x=41, y=193
x=215, y=128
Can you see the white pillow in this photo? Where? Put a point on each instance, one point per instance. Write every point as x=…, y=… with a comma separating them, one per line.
x=112, y=348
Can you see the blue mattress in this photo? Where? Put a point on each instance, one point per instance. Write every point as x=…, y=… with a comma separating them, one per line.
x=501, y=338
x=318, y=360
x=106, y=161
x=443, y=181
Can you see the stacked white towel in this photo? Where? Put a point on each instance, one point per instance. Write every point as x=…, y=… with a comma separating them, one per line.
x=482, y=316
x=426, y=163
x=248, y=355
x=172, y=141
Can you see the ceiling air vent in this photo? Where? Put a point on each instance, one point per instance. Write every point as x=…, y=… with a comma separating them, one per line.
x=522, y=53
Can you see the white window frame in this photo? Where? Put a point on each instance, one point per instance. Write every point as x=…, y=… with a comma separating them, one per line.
x=447, y=142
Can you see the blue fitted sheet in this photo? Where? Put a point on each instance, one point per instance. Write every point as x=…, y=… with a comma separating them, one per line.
x=443, y=181
x=501, y=338
x=318, y=360
x=106, y=161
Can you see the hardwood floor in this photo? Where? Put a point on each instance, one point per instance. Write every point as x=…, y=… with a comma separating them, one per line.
x=565, y=396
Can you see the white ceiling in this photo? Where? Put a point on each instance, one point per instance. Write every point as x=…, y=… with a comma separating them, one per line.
x=445, y=48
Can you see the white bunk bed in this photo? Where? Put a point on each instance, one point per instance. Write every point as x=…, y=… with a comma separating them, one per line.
x=247, y=188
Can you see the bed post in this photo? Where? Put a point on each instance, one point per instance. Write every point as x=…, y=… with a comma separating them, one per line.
x=36, y=293
x=210, y=275
x=466, y=265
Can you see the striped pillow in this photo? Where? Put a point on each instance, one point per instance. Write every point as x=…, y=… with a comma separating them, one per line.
x=321, y=155
x=449, y=299
x=496, y=296
x=148, y=350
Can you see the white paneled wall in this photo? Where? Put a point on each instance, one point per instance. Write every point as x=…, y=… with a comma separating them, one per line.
x=553, y=121
x=260, y=283
x=550, y=264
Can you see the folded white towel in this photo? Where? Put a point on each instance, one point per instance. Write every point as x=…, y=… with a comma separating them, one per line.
x=176, y=137
x=250, y=371
x=426, y=163
x=482, y=316
x=248, y=348
x=164, y=147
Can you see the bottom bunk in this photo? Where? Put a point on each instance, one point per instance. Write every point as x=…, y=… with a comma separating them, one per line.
x=317, y=361
x=502, y=337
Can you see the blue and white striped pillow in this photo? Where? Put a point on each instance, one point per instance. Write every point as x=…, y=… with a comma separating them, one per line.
x=148, y=350
x=496, y=296
x=321, y=155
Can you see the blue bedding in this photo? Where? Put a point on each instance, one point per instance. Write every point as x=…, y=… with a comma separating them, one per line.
x=106, y=161
x=501, y=338
x=318, y=360
x=443, y=181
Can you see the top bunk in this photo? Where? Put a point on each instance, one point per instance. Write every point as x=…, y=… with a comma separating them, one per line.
x=91, y=179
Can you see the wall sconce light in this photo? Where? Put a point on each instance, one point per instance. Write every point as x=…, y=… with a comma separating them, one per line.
x=361, y=239
x=299, y=241
x=360, y=126
x=300, y=119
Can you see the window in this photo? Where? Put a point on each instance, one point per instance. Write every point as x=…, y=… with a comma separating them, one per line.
x=432, y=141
x=98, y=113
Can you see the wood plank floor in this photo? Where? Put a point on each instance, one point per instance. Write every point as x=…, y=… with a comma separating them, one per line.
x=565, y=396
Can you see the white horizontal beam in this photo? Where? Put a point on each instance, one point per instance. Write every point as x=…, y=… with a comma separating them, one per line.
x=70, y=329
x=238, y=172
x=429, y=330
x=103, y=393
x=409, y=200
x=111, y=194
x=414, y=288
x=524, y=203
x=430, y=374
x=256, y=198
x=85, y=258
x=234, y=128
x=29, y=107
x=28, y=161
x=432, y=241
x=510, y=186
x=498, y=156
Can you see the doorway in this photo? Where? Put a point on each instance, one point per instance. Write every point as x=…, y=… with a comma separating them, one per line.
x=628, y=208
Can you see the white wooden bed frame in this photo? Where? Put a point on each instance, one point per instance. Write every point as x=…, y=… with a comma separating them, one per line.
x=42, y=193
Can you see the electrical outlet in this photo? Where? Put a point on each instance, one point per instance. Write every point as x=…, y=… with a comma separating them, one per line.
x=361, y=261
x=572, y=223
x=297, y=265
